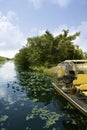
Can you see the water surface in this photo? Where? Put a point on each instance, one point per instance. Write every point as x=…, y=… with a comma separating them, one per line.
x=28, y=102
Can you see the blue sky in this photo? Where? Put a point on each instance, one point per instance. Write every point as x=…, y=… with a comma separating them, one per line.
x=20, y=19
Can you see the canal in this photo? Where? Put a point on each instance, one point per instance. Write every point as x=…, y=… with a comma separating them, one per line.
x=28, y=102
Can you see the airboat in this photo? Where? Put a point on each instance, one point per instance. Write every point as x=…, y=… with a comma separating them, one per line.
x=70, y=81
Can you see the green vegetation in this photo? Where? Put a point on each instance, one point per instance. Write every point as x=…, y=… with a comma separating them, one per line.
x=85, y=55
x=38, y=91
x=36, y=84
x=49, y=117
x=47, y=50
x=3, y=59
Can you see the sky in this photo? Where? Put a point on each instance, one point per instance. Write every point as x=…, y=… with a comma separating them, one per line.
x=20, y=19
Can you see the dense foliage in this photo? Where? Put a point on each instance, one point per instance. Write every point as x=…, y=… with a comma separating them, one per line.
x=47, y=50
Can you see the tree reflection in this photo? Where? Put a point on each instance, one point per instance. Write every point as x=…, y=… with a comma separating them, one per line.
x=16, y=86
x=37, y=86
x=76, y=119
x=1, y=63
x=78, y=122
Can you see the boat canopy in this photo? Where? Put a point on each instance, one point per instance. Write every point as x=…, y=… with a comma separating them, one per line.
x=71, y=66
x=68, y=70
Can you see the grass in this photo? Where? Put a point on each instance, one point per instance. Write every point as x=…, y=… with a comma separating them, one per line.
x=48, y=71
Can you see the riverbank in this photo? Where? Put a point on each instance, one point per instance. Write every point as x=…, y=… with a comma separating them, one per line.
x=48, y=71
x=3, y=59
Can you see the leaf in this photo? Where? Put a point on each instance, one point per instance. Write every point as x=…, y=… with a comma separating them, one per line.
x=22, y=104
x=2, y=128
x=3, y=118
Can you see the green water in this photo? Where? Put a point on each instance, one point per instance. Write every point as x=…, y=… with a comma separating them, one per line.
x=28, y=102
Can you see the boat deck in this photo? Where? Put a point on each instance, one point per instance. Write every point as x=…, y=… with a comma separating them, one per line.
x=77, y=100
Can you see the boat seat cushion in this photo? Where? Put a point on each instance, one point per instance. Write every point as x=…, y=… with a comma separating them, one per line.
x=84, y=93
x=82, y=87
x=81, y=79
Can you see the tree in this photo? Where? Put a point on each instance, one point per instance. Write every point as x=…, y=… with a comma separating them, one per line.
x=21, y=58
x=63, y=45
x=48, y=50
x=78, y=54
x=41, y=48
x=85, y=55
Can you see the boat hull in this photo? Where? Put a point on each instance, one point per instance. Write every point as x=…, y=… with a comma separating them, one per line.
x=73, y=99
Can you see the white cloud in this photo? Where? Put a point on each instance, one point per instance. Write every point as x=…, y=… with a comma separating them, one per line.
x=2, y=93
x=11, y=38
x=7, y=98
x=35, y=31
x=80, y=40
x=8, y=53
x=62, y=3
x=12, y=17
x=59, y=30
x=36, y=3
x=7, y=72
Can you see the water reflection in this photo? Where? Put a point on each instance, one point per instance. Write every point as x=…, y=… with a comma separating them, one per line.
x=39, y=89
x=1, y=63
x=2, y=92
x=7, y=75
x=76, y=119
x=28, y=102
x=7, y=72
x=35, y=84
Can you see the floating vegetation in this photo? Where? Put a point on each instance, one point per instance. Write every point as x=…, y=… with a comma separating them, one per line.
x=3, y=118
x=48, y=116
x=29, y=103
x=24, y=98
x=68, y=106
x=16, y=86
x=36, y=85
x=27, y=128
x=22, y=104
x=7, y=107
x=54, y=129
x=3, y=129
x=35, y=100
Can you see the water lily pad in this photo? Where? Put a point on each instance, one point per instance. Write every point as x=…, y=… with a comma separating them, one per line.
x=45, y=114
x=22, y=104
x=3, y=129
x=3, y=118
x=25, y=98
x=7, y=108
x=27, y=128
x=35, y=100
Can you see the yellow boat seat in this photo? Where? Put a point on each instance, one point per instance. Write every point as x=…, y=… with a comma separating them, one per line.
x=81, y=79
x=85, y=93
x=82, y=87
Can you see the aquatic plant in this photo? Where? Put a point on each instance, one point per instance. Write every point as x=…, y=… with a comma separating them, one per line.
x=37, y=85
x=45, y=114
x=3, y=118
